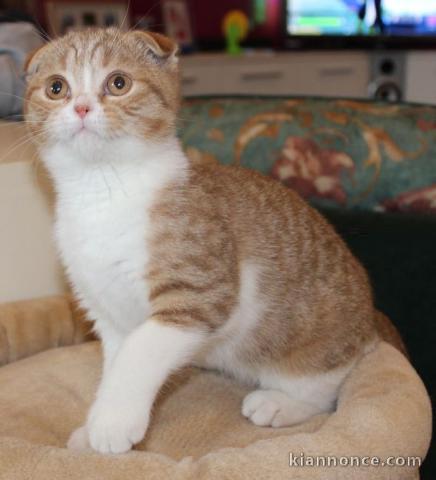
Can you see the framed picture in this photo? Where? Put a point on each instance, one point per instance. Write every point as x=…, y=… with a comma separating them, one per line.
x=177, y=22
x=64, y=15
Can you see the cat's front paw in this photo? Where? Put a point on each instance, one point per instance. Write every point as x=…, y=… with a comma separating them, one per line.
x=115, y=429
x=79, y=440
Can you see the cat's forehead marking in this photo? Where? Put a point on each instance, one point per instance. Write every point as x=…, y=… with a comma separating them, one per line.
x=99, y=50
x=75, y=52
x=72, y=59
x=84, y=53
x=96, y=51
x=84, y=66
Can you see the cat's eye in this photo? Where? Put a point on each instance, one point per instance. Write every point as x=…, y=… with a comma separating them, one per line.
x=118, y=84
x=57, y=88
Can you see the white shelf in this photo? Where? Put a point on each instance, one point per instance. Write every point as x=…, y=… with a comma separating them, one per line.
x=329, y=74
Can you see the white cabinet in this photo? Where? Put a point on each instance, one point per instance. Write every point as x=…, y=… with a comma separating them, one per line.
x=420, y=84
x=318, y=74
x=315, y=73
x=329, y=75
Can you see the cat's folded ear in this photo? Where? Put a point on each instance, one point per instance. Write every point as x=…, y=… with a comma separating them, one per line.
x=33, y=60
x=162, y=48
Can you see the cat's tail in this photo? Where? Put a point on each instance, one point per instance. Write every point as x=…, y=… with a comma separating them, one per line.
x=389, y=333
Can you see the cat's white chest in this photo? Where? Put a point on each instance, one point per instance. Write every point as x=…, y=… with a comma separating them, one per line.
x=102, y=240
x=102, y=224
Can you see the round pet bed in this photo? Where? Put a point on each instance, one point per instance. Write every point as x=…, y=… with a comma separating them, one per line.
x=197, y=430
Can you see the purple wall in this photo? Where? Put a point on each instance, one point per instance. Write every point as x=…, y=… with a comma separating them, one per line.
x=206, y=15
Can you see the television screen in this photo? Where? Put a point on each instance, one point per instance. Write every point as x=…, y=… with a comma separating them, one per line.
x=362, y=17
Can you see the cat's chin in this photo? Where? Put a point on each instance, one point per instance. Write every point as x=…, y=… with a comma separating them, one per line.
x=85, y=133
x=86, y=139
x=75, y=137
x=84, y=143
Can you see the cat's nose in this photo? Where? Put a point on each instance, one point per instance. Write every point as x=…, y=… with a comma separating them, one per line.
x=82, y=110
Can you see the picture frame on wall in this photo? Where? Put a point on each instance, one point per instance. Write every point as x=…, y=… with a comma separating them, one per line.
x=65, y=15
x=177, y=22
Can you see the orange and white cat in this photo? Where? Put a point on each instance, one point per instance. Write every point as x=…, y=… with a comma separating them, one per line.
x=180, y=263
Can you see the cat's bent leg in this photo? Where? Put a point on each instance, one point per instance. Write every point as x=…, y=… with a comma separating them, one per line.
x=287, y=400
x=120, y=415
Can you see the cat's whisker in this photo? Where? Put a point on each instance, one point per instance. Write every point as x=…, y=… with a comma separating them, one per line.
x=37, y=168
x=45, y=37
x=133, y=27
x=21, y=143
x=155, y=4
x=42, y=33
x=24, y=125
x=6, y=122
x=25, y=137
x=25, y=122
x=125, y=15
x=20, y=120
x=28, y=101
x=53, y=29
x=42, y=121
x=181, y=119
x=119, y=31
x=18, y=74
x=154, y=25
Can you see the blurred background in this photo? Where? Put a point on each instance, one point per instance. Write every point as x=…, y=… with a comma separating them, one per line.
x=379, y=49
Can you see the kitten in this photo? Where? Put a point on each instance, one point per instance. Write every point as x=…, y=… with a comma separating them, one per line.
x=182, y=263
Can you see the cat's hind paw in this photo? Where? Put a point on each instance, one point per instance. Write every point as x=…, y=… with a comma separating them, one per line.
x=272, y=408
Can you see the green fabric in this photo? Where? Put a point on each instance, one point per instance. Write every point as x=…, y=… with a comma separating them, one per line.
x=354, y=154
x=399, y=253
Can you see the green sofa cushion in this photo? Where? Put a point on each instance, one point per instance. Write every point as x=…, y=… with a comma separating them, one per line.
x=354, y=154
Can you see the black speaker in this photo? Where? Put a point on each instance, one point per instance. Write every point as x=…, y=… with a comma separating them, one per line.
x=387, y=73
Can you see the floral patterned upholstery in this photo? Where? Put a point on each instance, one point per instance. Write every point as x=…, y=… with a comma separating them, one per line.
x=352, y=154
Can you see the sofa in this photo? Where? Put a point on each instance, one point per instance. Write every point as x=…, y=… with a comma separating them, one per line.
x=17, y=40
x=370, y=168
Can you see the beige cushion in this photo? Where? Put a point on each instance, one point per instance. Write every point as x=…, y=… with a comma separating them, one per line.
x=197, y=431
